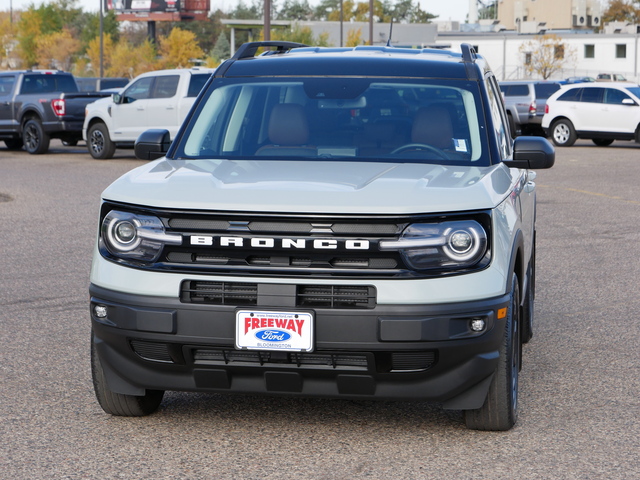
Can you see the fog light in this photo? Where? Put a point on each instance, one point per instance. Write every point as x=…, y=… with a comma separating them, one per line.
x=478, y=324
x=100, y=311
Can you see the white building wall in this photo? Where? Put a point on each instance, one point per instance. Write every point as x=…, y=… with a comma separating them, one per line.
x=502, y=51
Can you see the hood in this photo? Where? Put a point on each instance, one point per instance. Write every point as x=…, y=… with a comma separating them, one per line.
x=328, y=187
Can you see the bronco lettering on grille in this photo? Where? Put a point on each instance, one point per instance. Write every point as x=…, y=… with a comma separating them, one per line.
x=266, y=242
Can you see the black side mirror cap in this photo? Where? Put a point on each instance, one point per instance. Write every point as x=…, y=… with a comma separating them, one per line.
x=532, y=153
x=152, y=144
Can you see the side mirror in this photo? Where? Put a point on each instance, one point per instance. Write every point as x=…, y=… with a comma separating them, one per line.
x=532, y=153
x=628, y=101
x=152, y=144
x=117, y=98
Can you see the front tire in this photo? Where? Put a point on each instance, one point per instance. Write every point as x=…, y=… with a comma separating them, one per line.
x=563, y=134
x=500, y=409
x=36, y=141
x=602, y=142
x=117, y=403
x=98, y=142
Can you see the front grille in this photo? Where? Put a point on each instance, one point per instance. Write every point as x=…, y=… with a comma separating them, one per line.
x=329, y=361
x=219, y=293
x=412, y=361
x=332, y=296
x=306, y=296
x=157, y=352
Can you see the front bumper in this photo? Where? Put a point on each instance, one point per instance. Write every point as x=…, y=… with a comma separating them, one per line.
x=403, y=352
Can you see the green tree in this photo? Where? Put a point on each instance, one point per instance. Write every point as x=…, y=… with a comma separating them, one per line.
x=222, y=48
x=407, y=11
x=295, y=10
x=248, y=12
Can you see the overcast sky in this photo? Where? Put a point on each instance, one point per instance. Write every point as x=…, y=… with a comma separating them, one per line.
x=445, y=9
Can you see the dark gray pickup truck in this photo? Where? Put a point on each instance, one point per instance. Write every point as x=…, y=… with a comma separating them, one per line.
x=38, y=105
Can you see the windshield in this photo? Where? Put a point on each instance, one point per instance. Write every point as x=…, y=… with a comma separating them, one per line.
x=353, y=119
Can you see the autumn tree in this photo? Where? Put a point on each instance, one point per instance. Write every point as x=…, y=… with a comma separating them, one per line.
x=622, y=11
x=302, y=35
x=178, y=49
x=57, y=50
x=354, y=37
x=128, y=60
x=545, y=55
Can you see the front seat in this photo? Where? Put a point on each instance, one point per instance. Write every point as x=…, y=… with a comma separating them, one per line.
x=433, y=126
x=288, y=132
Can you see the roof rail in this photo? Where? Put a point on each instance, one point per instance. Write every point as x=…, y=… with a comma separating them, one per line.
x=248, y=50
x=469, y=54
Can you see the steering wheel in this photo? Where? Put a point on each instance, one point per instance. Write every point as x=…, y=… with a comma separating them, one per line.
x=421, y=146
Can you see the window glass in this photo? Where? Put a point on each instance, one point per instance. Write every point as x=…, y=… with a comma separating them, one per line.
x=621, y=50
x=6, y=84
x=499, y=121
x=139, y=90
x=517, y=90
x=589, y=51
x=545, y=90
x=397, y=121
x=197, y=82
x=572, y=95
x=592, y=95
x=166, y=86
x=615, y=97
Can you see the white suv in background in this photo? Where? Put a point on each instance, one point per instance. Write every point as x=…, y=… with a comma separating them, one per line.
x=602, y=113
x=159, y=99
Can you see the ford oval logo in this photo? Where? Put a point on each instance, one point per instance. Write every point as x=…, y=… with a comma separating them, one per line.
x=273, y=336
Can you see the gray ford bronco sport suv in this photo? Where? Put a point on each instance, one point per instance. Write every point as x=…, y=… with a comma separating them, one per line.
x=350, y=223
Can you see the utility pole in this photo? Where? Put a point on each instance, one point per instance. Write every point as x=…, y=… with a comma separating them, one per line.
x=267, y=20
x=370, y=22
x=101, y=38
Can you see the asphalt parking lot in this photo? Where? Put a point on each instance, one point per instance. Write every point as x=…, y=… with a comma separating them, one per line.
x=580, y=383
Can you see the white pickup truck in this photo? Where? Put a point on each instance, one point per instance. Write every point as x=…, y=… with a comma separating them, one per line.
x=159, y=99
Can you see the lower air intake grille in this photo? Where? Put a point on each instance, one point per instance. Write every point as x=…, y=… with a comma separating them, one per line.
x=219, y=293
x=157, y=352
x=412, y=361
x=334, y=296
x=302, y=360
x=307, y=296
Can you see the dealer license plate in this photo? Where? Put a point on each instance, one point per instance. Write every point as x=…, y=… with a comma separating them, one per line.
x=278, y=331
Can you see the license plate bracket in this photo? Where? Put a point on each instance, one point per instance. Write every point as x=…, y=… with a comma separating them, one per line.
x=282, y=331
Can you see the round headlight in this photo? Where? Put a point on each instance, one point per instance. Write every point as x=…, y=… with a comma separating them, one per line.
x=460, y=242
x=125, y=232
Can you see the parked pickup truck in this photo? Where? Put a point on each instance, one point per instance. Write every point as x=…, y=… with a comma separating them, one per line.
x=159, y=99
x=38, y=105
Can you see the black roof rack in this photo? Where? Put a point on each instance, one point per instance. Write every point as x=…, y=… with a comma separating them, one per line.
x=248, y=50
x=468, y=53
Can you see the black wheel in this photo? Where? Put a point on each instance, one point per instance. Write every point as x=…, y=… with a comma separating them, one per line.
x=602, y=142
x=500, y=409
x=98, y=142
x=562, y=133
x=36, y=141
x=117, y=403
x=14, y=143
